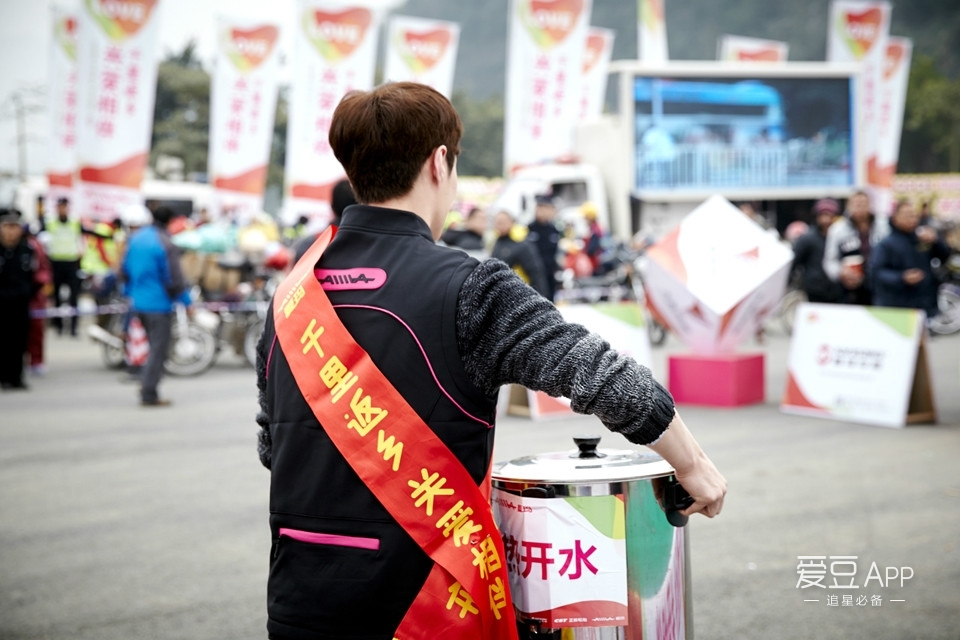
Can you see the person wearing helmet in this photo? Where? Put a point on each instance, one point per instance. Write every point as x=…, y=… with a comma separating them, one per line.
x=594, y=246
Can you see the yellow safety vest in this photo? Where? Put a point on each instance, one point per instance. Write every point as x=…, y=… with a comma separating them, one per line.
x=100, y=255
x=64, y=239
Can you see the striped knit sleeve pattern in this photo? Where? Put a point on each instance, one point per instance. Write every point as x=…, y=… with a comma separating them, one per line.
x=507, y=333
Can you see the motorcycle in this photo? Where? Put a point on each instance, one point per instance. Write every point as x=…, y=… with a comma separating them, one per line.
x=622, y=281
x=192, y=347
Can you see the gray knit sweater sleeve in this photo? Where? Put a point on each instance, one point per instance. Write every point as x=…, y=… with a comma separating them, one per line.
x=508, y=334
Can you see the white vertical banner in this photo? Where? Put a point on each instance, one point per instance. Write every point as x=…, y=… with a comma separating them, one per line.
x=243, y=101
x=596, y=63
x=116, y=87
x=335, y=48
x=651, y=31
x=744, y=49
x=544, y=71
x=858, y=32
x=893, y=98
x=424, y=51
x=61, y=107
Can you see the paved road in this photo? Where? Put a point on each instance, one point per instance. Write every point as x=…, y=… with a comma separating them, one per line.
x=121, y=522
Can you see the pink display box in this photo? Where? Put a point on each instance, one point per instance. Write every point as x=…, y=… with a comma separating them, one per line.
x=716, y=380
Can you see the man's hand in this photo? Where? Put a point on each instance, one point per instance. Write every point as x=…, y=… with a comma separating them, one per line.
x=913, y=276
x=694, y=470
x=927, y=234
x=706, y=486
x=850, y=278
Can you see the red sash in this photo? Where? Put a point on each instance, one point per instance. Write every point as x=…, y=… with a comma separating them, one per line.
x=400, y=459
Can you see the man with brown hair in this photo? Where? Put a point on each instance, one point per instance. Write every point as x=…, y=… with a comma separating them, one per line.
x=378, y=373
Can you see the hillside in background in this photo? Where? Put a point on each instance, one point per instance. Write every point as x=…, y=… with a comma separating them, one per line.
x=693, y=27
x=931, y=136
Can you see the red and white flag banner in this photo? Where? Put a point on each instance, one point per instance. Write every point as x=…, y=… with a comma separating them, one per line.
x=61, y=147
x=335, y=51
x=893, y=98
x=116, y=87
x=744, y=49
x=596, y=64
x=652, y=31
x=544, y=70
x=424, y=51
x=858, y=33
x=243, y=102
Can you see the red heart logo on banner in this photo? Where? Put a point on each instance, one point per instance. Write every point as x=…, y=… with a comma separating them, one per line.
x=65, y=33
x=551, y=21
x=121, y=19
x=593, y=50
x=651, y=13
x=248, y=48
x=861, y=30
x=891, y=61
x=336, y=34
x=423, y=50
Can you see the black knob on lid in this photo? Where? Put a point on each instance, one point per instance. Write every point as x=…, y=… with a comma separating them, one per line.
x=588, y=446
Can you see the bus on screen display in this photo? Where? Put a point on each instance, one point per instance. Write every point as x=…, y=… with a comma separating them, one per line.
x=715, y=132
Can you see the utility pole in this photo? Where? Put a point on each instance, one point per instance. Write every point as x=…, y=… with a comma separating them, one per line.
x=25, y=102
x=21, y=136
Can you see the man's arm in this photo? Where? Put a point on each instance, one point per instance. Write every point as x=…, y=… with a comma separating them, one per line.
x=264, y=346
x=508, y=334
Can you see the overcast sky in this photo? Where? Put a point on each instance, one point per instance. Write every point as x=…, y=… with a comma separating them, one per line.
x=25, y=27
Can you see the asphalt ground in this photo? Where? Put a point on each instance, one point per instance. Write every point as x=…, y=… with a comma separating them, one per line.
x=118, y=521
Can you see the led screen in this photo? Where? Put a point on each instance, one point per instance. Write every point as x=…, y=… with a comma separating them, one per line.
x=738, y=132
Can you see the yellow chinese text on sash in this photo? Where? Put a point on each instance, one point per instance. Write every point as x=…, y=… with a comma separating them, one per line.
x=401, y=460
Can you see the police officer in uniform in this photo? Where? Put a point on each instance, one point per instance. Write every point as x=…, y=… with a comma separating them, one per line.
x=65, y=248
x=18, y=266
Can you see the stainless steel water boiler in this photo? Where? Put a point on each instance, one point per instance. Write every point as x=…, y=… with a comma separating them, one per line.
x=658, y=599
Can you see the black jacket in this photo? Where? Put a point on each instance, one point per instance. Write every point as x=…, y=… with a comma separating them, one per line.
x=895, y=254
x=808, y=263
x=327, y=591
x=522, y=257
x=481, y=328
x=18, y=265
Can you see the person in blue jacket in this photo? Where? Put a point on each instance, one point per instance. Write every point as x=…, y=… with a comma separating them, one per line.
x=154, y=284
x=901, y=267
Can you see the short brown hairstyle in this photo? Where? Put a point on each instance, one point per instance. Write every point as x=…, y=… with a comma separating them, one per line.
x=383, y=136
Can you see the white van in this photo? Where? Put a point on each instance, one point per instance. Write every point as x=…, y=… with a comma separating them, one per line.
x=570, y=185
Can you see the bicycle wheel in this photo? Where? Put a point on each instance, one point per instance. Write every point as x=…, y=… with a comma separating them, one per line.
x=250, y=340
x=948, y=320
x=192, y=350
x=787, y=310
x=656, y=332
x=113, y=351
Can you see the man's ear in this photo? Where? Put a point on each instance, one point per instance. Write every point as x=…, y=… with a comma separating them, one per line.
x=438, y=162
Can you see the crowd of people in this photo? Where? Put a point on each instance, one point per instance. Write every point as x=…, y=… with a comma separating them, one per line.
x=540, y=251
x=857, y=257
x=43, y=267
x=849, y=256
